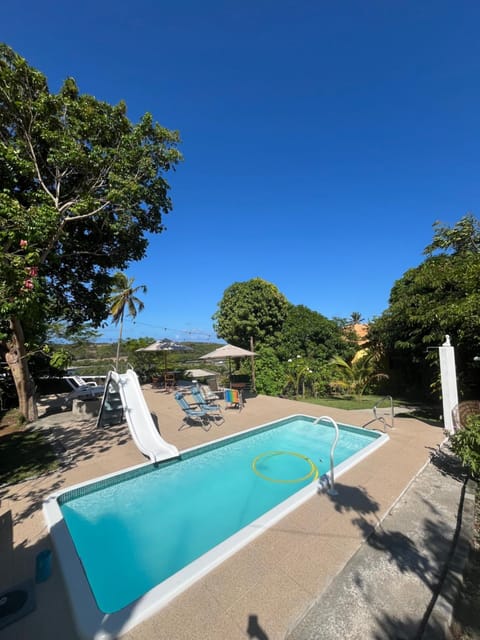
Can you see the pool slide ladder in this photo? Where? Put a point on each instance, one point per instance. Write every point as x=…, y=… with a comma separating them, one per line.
x=328, y=481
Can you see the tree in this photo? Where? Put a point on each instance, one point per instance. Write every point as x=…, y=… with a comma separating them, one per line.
x=62, y=340
x=254, y=308
x=462, y=238
x=123, y=297
x=356, y=317
x=441, y=296
x=308, y=333
x=81, y=186
x=80, y=334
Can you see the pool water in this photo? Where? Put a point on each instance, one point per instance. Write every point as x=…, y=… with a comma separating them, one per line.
x=135, y=532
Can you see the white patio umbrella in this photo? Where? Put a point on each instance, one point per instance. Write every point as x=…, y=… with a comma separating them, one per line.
x=227, y=351
x=165, y=346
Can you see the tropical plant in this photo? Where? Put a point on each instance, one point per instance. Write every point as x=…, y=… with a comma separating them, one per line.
x=298, y=374
x=465, y=442
x=81, y=188
x=356, y=317
x=356, y=376
x=123, y=297
x=319, y=380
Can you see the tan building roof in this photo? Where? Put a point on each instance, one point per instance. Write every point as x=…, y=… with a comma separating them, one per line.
x=361, y=331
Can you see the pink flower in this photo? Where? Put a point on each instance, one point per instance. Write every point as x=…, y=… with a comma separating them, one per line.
x=24, y=243
x=28, y=284
x=33, y=271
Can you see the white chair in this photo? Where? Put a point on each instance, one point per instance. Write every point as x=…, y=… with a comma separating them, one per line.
x=207, y=393
x=82, y=388
x=77, y=381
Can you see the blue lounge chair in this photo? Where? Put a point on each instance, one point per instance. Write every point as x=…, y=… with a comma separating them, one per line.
x=212, y=409
x=199, y=416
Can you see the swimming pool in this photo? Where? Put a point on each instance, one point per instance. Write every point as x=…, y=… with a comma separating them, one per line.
x=128, y=543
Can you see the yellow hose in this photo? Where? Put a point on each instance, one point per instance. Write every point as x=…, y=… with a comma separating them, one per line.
x=270, y=454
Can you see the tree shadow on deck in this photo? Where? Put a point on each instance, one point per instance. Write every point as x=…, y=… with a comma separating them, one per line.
x=422, y=549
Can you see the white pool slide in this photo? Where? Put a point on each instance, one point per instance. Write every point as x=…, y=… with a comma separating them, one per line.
x=139, y=419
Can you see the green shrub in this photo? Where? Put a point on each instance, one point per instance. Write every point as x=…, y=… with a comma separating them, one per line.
x=466, y=444
x=269, y=373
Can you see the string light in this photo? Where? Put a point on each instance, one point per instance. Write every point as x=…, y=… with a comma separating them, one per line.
x=198, y=333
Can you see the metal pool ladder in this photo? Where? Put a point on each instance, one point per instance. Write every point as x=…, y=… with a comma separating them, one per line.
x=382, y=418
x=330, y=481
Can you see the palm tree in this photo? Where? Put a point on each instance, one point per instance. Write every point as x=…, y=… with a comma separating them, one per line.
x=123, y=297
x=359, y=373
x=356, y=317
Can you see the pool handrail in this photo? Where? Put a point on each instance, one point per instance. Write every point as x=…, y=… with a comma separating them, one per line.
x=331, y=481
x=381, y=418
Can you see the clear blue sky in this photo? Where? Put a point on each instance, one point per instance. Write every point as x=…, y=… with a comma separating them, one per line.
x=321, y=139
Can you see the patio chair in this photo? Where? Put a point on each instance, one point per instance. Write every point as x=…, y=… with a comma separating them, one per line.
x=199, y=416
x=233, y=398
x=75, y=382
x=83, y=388
x=214, y=386
x=212, y=409
x=208, y=394
x=202, y=394
x=170, y=381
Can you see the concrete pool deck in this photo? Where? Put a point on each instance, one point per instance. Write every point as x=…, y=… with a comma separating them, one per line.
x=265, y=590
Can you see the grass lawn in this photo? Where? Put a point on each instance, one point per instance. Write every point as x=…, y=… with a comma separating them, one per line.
x=350, y=402
x=423, y=412
x=25, y=454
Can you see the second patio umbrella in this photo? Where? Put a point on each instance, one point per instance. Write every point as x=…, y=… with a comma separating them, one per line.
x=165, y=346
x=228, y=352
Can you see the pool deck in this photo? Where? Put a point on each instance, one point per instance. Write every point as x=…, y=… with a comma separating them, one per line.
x=265, y=589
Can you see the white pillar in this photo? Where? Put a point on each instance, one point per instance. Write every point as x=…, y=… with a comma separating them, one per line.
x=448, y=375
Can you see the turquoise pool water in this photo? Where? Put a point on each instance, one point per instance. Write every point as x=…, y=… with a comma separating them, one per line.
x=134, y=531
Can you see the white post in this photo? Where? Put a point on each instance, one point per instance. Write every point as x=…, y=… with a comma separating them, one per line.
x=448, y=375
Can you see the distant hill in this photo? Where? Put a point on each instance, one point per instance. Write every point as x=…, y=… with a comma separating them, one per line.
x=99, y=357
